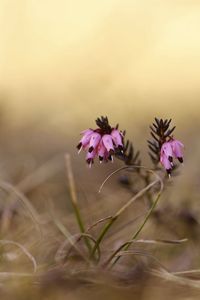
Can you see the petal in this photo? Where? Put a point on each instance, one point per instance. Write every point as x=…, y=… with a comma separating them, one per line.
x=177, y=147
x=117, y=137
x=101, y=151
x=167, y=149
x=85, y=139
x=94, y=141
x=165, y=162
x=90, y=157
x=87, y=131
x=108, y=143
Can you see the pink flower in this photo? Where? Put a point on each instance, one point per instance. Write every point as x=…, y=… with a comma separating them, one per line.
x=94, y=141
x=102, y=152
x=85, y=139
x=166, y=163
x=166, y=150
x=177, y=147
x=117, y=138
x=108, y=143
x=101, y=142
x=90, y=157
x=169, y=150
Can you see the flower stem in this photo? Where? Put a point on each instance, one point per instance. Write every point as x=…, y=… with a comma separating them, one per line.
x=118, y=213
x=75, y=202
x=101, y=236
x=126, y=246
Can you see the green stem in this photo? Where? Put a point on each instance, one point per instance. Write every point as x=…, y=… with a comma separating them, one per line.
x=118, y=213
x=125, y=247
x=81, y=225
x=101, y=236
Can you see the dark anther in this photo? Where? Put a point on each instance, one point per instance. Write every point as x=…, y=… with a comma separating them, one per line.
x=180, y=159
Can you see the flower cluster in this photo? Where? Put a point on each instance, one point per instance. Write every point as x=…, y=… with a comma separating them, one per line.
x=106, y=141
x=169, y=150
x=164, y=147
x=101, y=142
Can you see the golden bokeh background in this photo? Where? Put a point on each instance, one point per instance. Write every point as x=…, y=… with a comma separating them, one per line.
x=68, y=62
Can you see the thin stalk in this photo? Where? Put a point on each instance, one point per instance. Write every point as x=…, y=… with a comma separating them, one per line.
x=118, y=213
x=101, y=236
x=74, y=200
x=126, y=246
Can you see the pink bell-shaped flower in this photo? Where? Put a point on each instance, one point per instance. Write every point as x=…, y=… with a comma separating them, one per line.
x=117, y=138
x=177, y=147
x=90, y=157
x=85, y=139
x=94, y=141
x=102, y=152
x=166, y=163
x=108, y=142
x=167, y=151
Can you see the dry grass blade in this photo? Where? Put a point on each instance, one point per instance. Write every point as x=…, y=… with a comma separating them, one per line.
x=64, y=230
x=62, y=254
x=159, y=241
x=125, y=225
x=71, y=180
x=14, y=275
x=132, y=168
x=131, y=201
x=142, y=253
x=126, y=245
x=8, y=187
x=143, y=191
x=170, y=277
x=31, y=181
x=98, y=222
x=41, y=174
x=74, y=201
x=23, y=249
x=188, y=272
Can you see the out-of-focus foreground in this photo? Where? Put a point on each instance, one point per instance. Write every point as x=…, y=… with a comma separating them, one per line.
x=62, y=65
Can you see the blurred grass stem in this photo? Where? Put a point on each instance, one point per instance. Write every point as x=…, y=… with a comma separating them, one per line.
x=74, y=200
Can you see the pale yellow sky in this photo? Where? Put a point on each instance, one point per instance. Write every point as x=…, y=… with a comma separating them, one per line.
x=69, y=58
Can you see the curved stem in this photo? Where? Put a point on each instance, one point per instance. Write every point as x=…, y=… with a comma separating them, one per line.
x=118, y=213
x=101, y=236
x=127, y=245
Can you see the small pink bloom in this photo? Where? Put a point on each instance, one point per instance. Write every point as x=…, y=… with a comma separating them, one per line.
x=117, y=138
x=94, y=141
x=177, y=147
x=165, y=162
x=167, y=150
x=170, y=150
x=90, y=157
x=85, y=139
x=102, y=152
x=108, y=142
x=101, y=142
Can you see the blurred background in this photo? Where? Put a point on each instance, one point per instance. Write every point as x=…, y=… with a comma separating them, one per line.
x=64, y=63
x=69, y=61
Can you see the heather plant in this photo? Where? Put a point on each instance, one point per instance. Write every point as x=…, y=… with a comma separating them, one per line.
x=108, y=143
